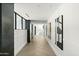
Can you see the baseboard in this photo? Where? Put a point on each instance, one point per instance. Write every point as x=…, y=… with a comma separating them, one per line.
x=53, y=48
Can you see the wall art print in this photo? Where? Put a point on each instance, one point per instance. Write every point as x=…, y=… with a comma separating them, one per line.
x=49, y=30
x=59, y=32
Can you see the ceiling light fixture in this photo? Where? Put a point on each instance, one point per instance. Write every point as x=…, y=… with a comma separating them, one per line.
x=26, y=14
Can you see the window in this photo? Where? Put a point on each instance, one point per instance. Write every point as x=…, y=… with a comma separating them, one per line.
x=18, y=22
x=23, y=23
x=14, y=21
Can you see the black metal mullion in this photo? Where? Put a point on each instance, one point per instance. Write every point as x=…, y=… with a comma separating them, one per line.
x=15, y=21
x=22, y=22
x=62, y=28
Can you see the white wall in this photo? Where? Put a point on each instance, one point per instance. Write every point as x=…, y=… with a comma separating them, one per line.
x=20, y=36
x=58, y=12
x=20, y=40
x=70, y=14
x=71, y=29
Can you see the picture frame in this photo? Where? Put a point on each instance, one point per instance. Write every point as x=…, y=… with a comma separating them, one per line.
x=49, y=30
x=59, y=32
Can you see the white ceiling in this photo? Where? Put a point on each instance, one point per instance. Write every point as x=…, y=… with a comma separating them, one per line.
x=36, y=11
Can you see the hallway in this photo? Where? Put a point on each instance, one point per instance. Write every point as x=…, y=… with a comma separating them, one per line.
x=38, y=47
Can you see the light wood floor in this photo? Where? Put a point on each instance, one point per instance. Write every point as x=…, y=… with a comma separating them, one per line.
x=37, y=47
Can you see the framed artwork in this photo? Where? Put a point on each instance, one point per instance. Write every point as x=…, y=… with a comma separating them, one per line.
x=59, y=32
x=49, y=30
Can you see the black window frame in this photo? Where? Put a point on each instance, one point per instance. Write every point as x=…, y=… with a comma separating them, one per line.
x=22, y=18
